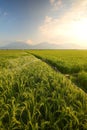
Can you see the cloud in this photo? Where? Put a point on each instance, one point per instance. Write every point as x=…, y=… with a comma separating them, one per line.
x=67, y=28
x=29, y=41
x=48, y=19
x=56, y=4
x=5, y=13
x=52, y=1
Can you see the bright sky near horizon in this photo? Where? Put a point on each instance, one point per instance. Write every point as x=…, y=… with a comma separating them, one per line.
x=35, y=21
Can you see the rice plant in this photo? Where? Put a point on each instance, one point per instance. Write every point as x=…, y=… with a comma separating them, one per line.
x=35, y=97
x=68, y=62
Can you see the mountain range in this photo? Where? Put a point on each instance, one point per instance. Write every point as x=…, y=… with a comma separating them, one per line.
x=44, y=45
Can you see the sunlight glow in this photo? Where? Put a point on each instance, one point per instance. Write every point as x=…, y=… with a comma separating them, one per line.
x=80, y=30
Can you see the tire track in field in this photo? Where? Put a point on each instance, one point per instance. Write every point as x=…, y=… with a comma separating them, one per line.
x=40, y=58
x=67, y=76
x=53, y=67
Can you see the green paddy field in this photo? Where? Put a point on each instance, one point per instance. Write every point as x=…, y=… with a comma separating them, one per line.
x=43, y=89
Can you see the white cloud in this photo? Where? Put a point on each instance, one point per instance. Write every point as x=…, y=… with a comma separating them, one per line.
x=67, y=28
x=52, y=1
x=56, y=4
x=29, y=41
x=48, y=19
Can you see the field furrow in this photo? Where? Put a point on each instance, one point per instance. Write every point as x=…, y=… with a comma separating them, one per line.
x=72, y=63
x=35, y=97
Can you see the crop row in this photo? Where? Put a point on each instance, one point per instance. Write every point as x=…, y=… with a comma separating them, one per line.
x=34, y=97
x=68, y=62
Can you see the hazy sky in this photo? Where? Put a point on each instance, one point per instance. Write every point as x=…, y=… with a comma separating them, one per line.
x=35, y=21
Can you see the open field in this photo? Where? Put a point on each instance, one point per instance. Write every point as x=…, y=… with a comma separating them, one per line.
x=72, y=63
x=33, y=96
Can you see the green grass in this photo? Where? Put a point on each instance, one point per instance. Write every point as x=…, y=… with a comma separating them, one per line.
x=67, y=61
x=35, y=97
x=80, y=80
x=71, y=62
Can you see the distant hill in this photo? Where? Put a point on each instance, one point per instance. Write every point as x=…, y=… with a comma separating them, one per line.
x=44, y=45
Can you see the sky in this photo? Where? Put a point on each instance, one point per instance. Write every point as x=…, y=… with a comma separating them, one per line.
x=37, y=21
